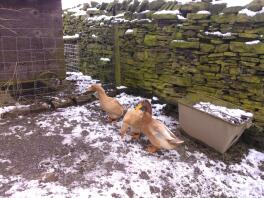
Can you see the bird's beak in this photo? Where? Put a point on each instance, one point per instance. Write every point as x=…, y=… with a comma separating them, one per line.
x=138, y=107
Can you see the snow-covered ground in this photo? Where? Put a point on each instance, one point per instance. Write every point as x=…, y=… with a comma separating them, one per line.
x=101, y=164
x=81, y=81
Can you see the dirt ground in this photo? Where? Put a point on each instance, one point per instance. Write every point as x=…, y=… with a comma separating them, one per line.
x=74, y=152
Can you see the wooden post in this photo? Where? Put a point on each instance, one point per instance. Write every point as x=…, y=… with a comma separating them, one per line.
x=117, y=56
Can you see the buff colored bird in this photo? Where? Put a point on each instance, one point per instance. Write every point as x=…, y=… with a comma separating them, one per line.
x=110, y=105
x=158, y=134
x=133, y=120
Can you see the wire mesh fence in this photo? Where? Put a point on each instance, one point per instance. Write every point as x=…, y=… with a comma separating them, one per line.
x=31, y=49
x=71, y=54
x=30, y=67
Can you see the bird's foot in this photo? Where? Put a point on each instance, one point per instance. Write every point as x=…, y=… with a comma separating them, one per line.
x=151, y=149
x=109, y=120
x=135, y=135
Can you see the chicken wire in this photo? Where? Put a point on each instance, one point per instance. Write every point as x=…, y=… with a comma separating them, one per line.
x=72, y=59
x=31, y=47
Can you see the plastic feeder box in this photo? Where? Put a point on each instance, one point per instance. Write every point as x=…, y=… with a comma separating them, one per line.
x=209, y=129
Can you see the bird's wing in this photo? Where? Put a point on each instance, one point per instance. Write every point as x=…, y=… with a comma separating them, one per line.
x=113, y=105
x=133, y=116
x=165, y=132
x=117, y=103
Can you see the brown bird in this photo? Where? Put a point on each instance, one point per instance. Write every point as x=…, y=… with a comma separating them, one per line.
x=133, y=120
x=158, y=134
x=110, y=105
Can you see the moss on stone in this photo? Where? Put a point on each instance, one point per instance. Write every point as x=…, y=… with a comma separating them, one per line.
x=250, y=59
x=234, y=71
x=243, y=18
x=181, y=81
x=164, y=16
x=258, y=48
x=150, y=40
x=209, y=68
x=232, y=10
x=177, y=35
x=225, y=18
x=216, y=55
x=217, y=41
x=248, y=35
x=204, y=59
x=230, y=54
x=196, y=16
x=192, y=27
x=247, y=64
x=240, y=47
x=204, y=47
x=259, y=18
x=258, y=30
x=221, y=48
x=250, y=79
x=248, y=54
x=245, y=48
x=184, y=44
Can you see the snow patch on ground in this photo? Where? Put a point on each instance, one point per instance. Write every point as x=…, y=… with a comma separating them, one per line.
x=2, y=161
x=126, y=167
x=77, y=76
x=6, y=109
x=82, y=82
x=155, y=98
x=143, y=172
x=35, y=189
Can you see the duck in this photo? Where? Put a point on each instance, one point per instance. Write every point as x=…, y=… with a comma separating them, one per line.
x=110, y=105
x=133, y=120
x=158, y=134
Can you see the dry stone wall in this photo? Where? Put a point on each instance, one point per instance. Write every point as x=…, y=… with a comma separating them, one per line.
x=194, y=48
x=97, y=48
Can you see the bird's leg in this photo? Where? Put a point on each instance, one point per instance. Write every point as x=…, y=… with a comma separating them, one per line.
x=151, y=149
x=109, y=119
x=123, y=129
x=135, y=135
